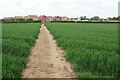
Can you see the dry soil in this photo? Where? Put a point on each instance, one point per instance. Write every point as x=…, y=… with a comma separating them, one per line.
x=46, y=60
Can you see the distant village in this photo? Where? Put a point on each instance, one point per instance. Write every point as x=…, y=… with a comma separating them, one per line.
x=44, y=18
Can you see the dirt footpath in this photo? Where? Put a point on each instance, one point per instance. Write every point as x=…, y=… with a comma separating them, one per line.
x=46, y=60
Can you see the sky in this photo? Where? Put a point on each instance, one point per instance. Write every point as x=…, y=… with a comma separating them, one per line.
x=69, y=8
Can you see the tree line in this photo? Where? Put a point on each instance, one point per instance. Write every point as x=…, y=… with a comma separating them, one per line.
x=98, y=18
x=20, y=20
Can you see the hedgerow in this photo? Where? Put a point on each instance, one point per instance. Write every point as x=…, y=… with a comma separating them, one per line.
x=81, y=22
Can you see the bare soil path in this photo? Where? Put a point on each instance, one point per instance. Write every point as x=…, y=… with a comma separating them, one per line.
x=46, y=60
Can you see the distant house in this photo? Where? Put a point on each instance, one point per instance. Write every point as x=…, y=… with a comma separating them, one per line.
x=34, y=17
x=39, y=18
x=64, y=18
x=49, y=18
x=7, y=18
x=19, y=17
x=114, y=20
x=43, y=18
x=26, y=17
x=57, y=18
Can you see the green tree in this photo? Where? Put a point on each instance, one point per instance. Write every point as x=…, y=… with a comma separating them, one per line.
x=96, y=18
x=20, y=20
x=114, y=18
x=83, y=17
x=30, y=20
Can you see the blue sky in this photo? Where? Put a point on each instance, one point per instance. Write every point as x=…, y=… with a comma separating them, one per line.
x=70, y=8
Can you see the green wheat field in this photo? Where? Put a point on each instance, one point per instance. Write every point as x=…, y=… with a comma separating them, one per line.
x=17, y=41
x=91, y=47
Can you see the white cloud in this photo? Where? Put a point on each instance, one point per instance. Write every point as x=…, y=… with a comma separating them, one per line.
x=70, y=8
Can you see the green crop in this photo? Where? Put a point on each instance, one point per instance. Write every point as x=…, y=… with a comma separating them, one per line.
x=17, y=41
x=91, y=47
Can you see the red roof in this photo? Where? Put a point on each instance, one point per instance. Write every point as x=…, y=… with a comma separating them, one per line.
x=42, y=16
x=49, y=16
x=56, y=17
x=32, y=16
x=64, y=17
x=25, y=16
x=19, y=17
x=7, y=17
